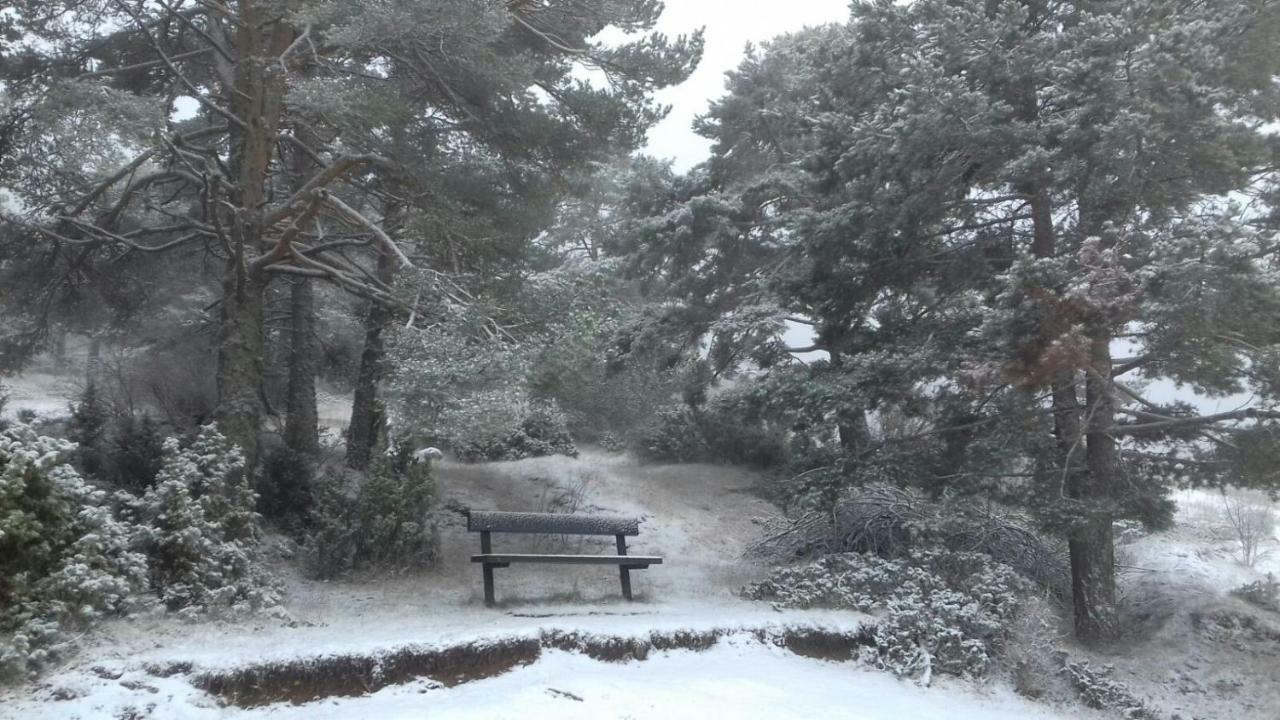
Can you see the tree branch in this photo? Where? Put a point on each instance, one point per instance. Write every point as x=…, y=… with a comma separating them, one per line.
x=1171, y=423
x=351, y=215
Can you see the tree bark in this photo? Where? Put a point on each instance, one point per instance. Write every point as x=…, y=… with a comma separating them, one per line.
x=258, y=100
x=855, y=433
x=1092, y=546
x=366, y=431
x=301, y=425
x=1089, y=543
x=240, y=361
x=368, y=417
x=93, y=360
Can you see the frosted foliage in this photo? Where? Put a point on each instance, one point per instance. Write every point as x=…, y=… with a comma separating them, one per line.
x=65, y=560
x=941, y=611
x=199, y=530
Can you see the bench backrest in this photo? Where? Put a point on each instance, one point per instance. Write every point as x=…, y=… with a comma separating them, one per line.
x=551, y=523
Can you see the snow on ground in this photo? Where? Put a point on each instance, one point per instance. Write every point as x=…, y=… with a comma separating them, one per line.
x=1173, y=583
x=741, y=679
x=698, y=517
x=737, y=678
x=46, y=394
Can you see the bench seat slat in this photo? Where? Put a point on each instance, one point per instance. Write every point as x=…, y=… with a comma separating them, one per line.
x=635, y=560
x=551, y=523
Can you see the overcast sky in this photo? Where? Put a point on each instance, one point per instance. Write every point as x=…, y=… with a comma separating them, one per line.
x=730, y=25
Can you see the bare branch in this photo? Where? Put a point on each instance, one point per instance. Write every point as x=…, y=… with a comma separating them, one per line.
x=1171, y=423
x=168, y=63
x=330, y=173
x=353, y=216
x=143, y=65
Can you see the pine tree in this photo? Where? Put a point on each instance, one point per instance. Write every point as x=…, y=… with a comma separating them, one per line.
x=272, y=79
x=971, y=201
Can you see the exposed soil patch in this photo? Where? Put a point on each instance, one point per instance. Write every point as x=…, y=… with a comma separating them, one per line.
x=823, y=645
x=307, y=679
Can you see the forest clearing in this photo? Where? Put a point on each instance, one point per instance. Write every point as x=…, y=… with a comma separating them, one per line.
x=625, y=359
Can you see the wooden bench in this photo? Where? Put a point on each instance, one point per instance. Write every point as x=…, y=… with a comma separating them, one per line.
x=487, y=523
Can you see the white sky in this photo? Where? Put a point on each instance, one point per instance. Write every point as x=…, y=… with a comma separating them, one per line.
x=730, y=25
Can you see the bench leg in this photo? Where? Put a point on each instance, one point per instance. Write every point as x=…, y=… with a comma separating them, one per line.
x=486, y=547
x=623, y=571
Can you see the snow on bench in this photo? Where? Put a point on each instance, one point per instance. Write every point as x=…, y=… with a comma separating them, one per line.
x=486, y=523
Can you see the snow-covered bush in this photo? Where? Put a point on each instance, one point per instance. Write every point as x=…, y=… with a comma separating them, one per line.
x=285, y=485
x=65, y=560
x=942, y=611
x=673, y=436
x=1263, y=593
x=473, y=397
x=199, y=531
x=890, y=521
x=382, y=519
x=88, y=428
x=134, y=453
x=1099, y=691
x=499, y=428
x=719, y=432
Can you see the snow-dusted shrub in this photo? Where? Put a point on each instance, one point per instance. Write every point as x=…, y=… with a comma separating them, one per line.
x=65, y=560
x=1263, y=593
x=88, y=428
x=1099, y=691
x=890, y=521
x=673, y=436
x=941, y=611
x=383, y=519
x=134, y=453
x=717, y=433
x=499, y=428
x=199, y=531
x=1250, y=521
x=285, y=485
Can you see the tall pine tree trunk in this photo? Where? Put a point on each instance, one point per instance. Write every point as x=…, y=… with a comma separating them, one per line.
x=240, y=360
x=1092, y=546
x=1089, y=542
x=257, y=99
x=368, y=412
x=301, y=428
x=368, y=416
x=1092, y=582
x=93, y=360
x=301, y=425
